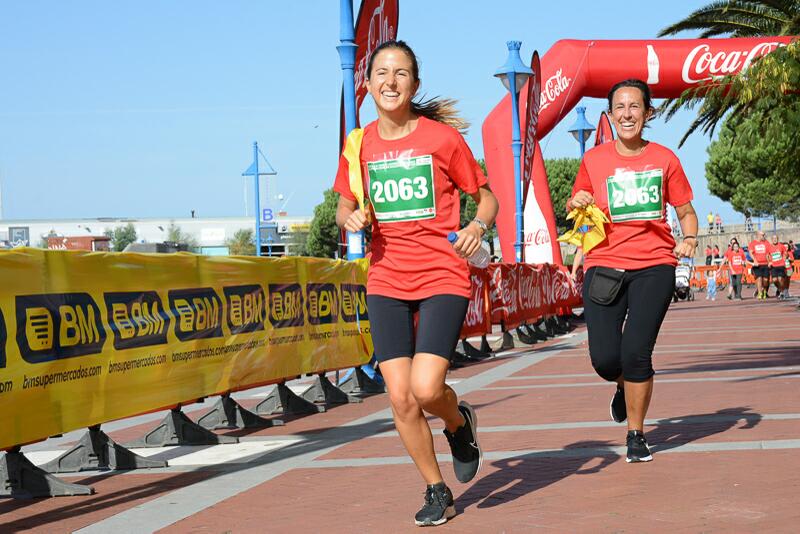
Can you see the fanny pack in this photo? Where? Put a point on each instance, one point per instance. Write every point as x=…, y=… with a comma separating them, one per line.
x=605, y=285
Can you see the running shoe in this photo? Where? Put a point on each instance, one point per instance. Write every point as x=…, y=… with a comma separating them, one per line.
x=438, y=507
x=619, y=412
x=638, y=451
x=467, y=454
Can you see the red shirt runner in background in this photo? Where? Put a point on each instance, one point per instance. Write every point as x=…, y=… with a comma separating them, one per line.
x=760, y=250
x=736, y=260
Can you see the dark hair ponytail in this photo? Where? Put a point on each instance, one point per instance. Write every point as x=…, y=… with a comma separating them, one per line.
x=438, y=109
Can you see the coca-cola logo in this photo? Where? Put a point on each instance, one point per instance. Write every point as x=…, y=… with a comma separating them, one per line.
x=540, y=237
x=378, y=32
x=527, y=288
x=552, y=88
x=476, y=307
x=703, y=63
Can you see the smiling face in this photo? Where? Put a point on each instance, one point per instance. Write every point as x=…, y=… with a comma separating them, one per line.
x=629, y=113
x=391, y=81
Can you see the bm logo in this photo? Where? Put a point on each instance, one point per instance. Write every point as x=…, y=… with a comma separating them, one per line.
x=247, y=309
x=354, y=303
x=286, y=305
x=137, y=319
x=58, y=325
x=322, y=303
x=198, y=313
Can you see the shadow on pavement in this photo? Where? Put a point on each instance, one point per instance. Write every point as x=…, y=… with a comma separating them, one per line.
x=521, y=475
x=677, y=431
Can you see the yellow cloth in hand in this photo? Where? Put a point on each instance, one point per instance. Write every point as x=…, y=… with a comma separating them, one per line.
x=592, y=217
x=352, y=153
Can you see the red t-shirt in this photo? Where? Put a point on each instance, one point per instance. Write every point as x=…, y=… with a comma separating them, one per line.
x=736, y=260
x=760, y=251
x=640, y=186
x=413, y=184
x=778, y=254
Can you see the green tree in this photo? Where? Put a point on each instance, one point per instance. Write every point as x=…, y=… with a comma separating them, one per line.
x=242, y=243
x=298, y=242
x=561, y=174
x=121, y=236
x=176, y=235
x=323, y=236
x=771, y=77
x=753, y=164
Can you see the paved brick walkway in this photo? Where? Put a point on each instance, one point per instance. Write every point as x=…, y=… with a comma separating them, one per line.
x=724, y=426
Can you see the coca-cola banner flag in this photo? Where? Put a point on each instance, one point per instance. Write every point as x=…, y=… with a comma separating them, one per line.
x=504, y=289
x=478, y=320
x=532, y=121
x=574, y=69
x=604, y=132
x=376, y=23
x=538, y=217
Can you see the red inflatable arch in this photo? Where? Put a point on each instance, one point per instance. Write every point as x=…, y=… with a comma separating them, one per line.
x=574, y=69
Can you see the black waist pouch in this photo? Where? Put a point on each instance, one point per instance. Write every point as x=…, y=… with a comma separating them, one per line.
x=605, y=285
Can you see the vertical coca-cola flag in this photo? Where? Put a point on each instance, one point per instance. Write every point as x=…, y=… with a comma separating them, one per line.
x=604, y=132
x=376, y=23
x=532, y=116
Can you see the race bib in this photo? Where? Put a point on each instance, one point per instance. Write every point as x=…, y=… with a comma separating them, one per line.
x=737, y=260
x=776, y=256
x=636, y=196
x=402, y=189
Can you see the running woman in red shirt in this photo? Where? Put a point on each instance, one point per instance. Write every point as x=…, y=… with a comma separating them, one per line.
x=413, y=165
x=736, y=261
x=778, y=255
x=759, y=250
x=630, y=277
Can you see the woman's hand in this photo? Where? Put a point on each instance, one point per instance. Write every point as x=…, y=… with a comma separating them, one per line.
x=686, y=248
x=581, y=200
x=357, y=221
x=469, y=239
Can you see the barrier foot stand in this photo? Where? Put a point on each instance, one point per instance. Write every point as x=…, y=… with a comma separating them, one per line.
x=506, y=343
x=97, y=451
x=485, y=347
x=283, y=400
x=553, y=326
x=23, y=480
x=359, y=383
x=458, y=360
x=476, y=355
x=523, y=334
x=540, y=330
x=177, y=429
x=564, y=323
x=323, y=392
x=227, y=414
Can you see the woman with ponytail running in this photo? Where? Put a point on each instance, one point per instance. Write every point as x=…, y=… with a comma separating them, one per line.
x=414, y=161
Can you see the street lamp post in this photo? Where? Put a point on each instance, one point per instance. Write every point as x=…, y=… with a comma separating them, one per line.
x=581, y=130
x=256, y=174
x=514, y=74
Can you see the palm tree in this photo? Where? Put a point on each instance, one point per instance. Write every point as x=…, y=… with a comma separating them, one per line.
x=770, y=79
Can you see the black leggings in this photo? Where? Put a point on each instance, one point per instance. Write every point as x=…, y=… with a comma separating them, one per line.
x=624, y=346
x=736, y=283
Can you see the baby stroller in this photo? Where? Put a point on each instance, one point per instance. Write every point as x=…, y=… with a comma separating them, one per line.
x=683, y=277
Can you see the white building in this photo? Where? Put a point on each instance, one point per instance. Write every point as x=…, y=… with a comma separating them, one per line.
x=210, y=233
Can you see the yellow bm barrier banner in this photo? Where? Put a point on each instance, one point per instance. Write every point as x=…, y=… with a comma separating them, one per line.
x=87, y=338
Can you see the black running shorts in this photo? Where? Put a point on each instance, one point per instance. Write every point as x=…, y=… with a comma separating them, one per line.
x=778, y=272
x=762, y=271
x=391, y=321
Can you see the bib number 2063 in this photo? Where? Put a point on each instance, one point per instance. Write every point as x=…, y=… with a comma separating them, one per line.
x=402, y=189
x=636, y=196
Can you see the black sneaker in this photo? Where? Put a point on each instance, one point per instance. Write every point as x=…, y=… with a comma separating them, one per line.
x=638, y=451
x=619, y=412
x=467, y=454
x=438, y=507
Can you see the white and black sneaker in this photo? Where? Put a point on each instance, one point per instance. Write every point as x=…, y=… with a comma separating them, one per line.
x=619, y=412
x=638, y=451
x=438, y=507
x=467, y=454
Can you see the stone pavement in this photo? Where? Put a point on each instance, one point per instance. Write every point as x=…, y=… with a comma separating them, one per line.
x=724, y=425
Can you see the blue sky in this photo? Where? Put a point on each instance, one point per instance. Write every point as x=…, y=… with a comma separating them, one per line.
x=150, y=108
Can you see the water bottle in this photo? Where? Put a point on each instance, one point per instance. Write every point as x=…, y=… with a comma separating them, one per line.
x=480, y=258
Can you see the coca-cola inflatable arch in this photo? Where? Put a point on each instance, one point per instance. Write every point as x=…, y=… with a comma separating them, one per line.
x=574, y=69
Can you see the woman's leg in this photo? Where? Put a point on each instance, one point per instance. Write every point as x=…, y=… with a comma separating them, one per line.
x=408, y=418
x=428, y=372
x=649, y=294
x=604, y=325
